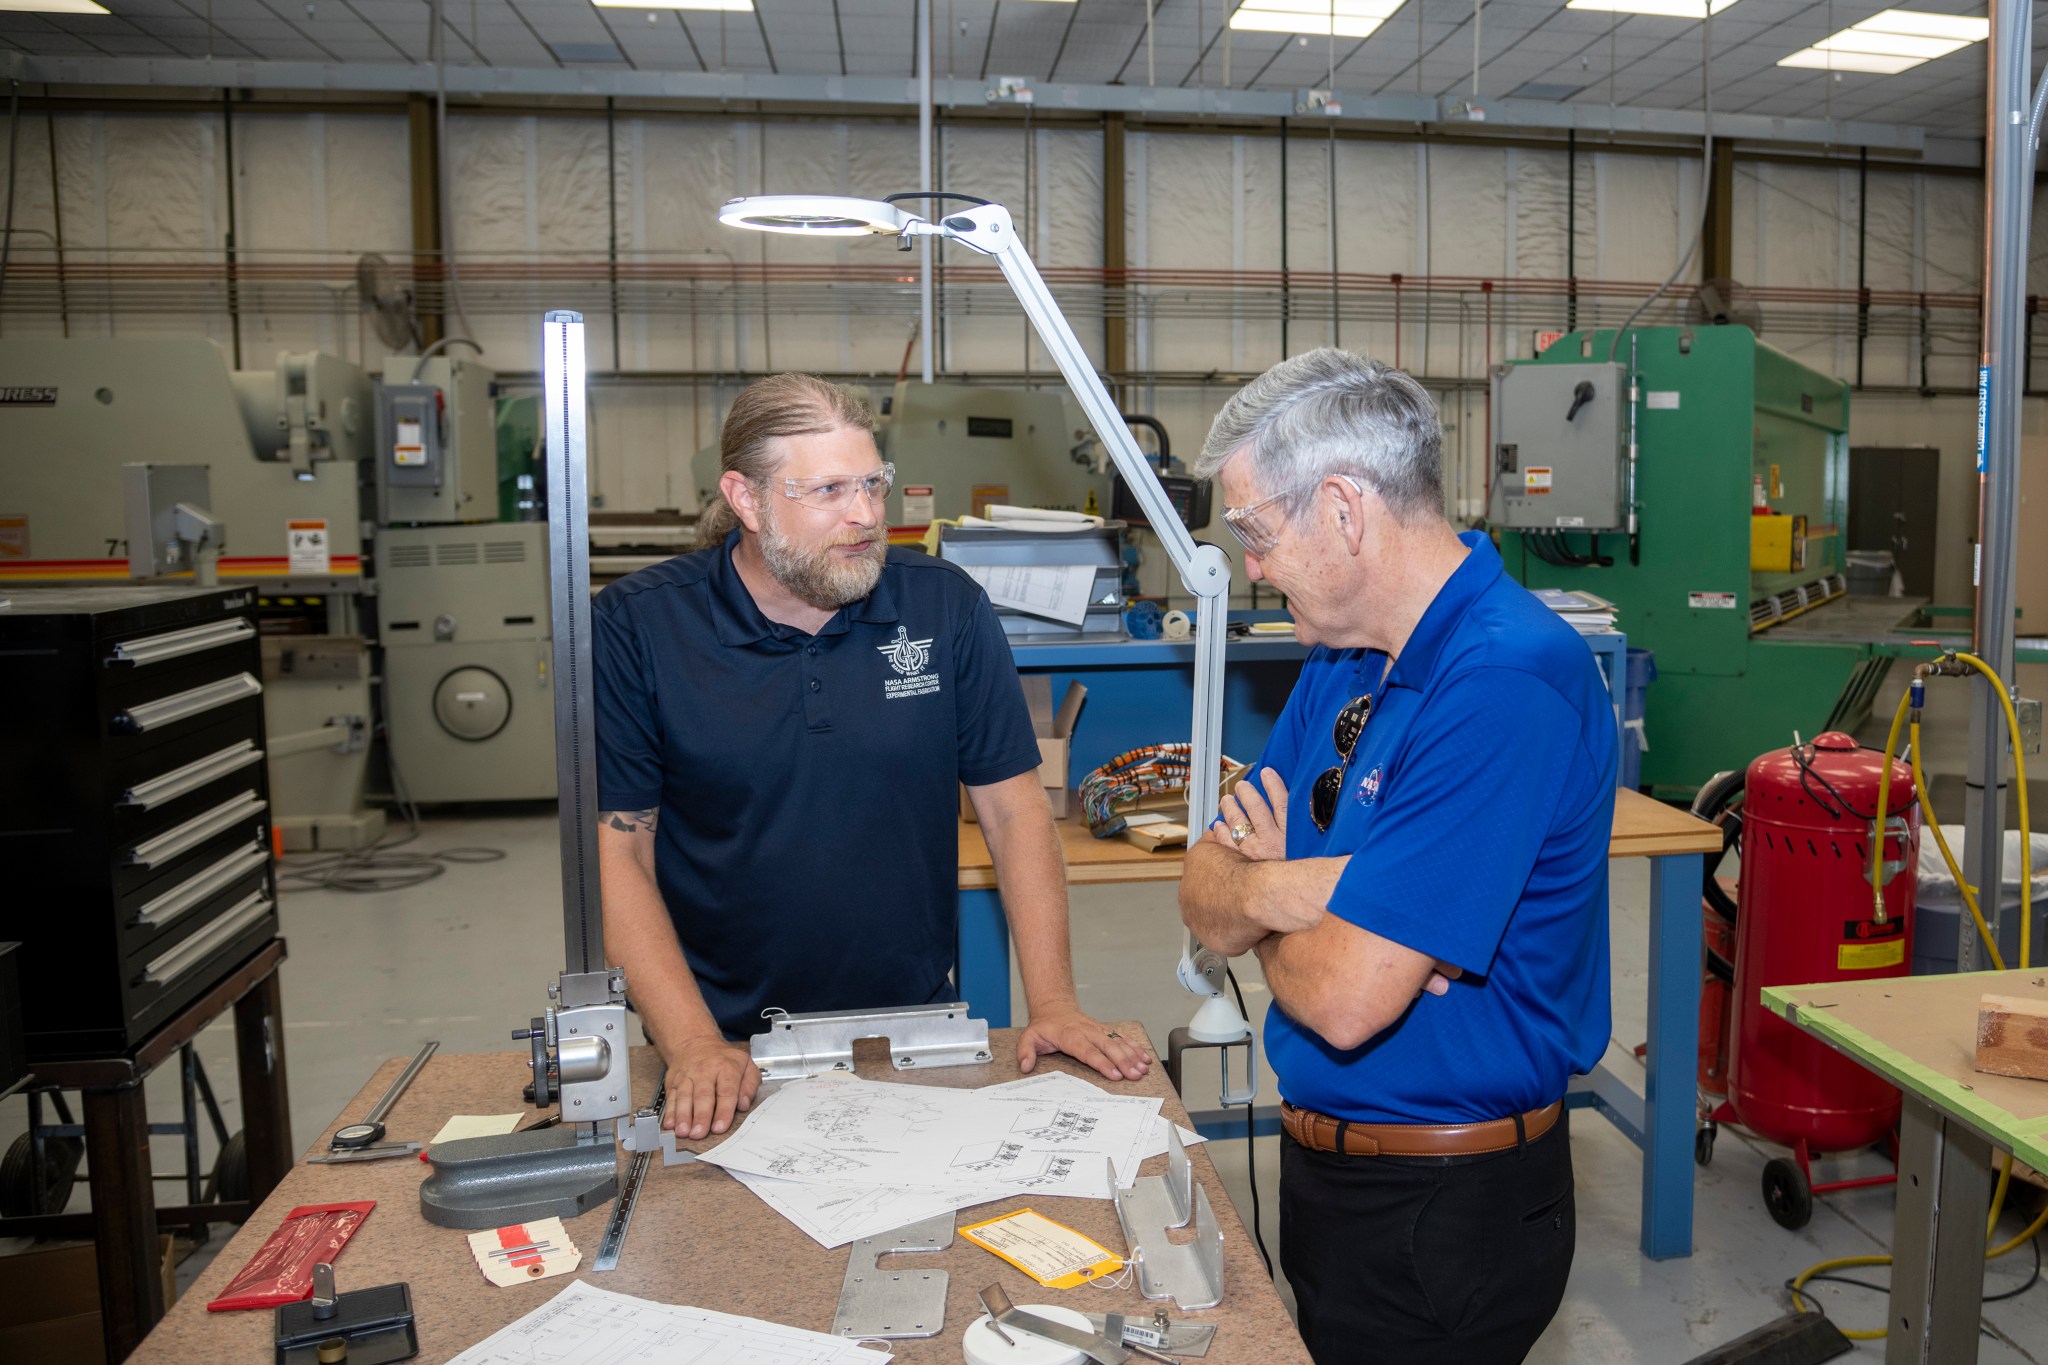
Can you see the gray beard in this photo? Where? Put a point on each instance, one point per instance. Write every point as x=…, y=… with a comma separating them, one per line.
x=816, y=576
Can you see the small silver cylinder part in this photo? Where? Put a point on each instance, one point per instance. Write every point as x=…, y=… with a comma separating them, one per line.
x=583, y=1059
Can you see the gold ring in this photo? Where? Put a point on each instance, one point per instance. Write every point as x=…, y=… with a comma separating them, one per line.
x=1113, y=1034
x=1240, y=833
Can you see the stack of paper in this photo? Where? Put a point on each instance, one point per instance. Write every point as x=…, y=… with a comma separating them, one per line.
x=843, y=1158
x=584, y=1325
x=1582, y=611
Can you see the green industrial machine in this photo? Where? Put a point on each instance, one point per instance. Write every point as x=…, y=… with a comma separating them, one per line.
x=1708, y=506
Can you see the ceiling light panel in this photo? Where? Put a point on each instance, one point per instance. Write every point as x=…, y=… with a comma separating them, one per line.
x=1891, y=41
x=1870, y=63
x=1890, y=44
x=52, y=7
x=1314, y=18
x=731, y=6
x=1964, y=27
x=1661, y=9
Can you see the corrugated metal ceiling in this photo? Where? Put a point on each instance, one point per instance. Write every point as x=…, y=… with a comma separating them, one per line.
x=1530, y=49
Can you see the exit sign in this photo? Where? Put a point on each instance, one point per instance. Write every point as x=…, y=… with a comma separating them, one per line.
x=1544, y=339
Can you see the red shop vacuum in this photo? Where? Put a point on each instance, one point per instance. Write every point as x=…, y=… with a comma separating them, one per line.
x=1803, y=912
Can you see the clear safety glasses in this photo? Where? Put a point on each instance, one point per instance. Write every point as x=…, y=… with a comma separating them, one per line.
x=836, y=492
x=1258, y=526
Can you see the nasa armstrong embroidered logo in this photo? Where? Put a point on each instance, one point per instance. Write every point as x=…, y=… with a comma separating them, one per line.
x=910, y=659
x=1369, y=786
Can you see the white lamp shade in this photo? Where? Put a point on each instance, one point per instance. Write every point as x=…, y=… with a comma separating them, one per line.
x=814, y=215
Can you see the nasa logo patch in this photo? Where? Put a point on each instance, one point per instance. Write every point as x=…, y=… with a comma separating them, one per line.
x=1369, y=786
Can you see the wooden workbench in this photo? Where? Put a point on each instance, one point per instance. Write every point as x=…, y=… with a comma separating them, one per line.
x=1660, y=1120
x=698, y=1237
x=1643, y=828
x=1920, y=1033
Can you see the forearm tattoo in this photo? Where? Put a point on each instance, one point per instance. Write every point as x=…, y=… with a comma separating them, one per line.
x=631, y=821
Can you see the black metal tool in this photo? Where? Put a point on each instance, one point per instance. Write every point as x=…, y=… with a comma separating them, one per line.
x=362, y=1327
x=371, y=1129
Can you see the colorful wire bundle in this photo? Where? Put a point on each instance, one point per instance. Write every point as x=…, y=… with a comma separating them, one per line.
x=1146, y=771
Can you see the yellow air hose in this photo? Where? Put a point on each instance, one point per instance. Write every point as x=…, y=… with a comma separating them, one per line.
x=1884, y=782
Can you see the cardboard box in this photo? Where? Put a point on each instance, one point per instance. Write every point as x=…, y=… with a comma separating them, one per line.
x=50, y=1302
x=1055, y=731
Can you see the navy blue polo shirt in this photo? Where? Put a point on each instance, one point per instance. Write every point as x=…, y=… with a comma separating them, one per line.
x=1476, y=813
x=808, y=843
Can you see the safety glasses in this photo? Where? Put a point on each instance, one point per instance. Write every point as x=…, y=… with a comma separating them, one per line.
x=1258, y=526
x=836, y=492
x=1322, y=806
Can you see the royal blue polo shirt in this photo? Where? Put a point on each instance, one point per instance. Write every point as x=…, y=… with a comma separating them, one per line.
x=808, y=843
x=1476, y=812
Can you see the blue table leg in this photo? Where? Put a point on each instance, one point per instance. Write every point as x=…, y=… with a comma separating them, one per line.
x=983, y=968
x=1669, y=1089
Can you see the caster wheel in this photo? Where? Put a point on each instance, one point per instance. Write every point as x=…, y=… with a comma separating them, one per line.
x=61, y=1159
x=230, y=1179
x=1703, y=1146
x=1786, y=1193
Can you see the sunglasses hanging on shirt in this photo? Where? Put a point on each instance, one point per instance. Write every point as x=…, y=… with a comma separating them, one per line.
x=1350, y=725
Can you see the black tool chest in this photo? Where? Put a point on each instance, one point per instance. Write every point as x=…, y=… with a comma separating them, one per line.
x=135, y=862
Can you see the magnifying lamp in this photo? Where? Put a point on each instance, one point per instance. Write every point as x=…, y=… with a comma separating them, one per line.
x=1203, y=569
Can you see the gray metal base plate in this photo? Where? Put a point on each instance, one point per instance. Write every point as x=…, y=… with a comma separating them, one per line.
x=491, y=1182
x=890, y=1305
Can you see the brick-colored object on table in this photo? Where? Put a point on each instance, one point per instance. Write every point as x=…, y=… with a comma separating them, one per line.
x=2012, y=1037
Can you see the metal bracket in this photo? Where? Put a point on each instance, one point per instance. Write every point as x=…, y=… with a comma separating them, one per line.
x=1007, y=1317
x=643, y=1135
x=798, y=1045
x=890, y=1305
x=1190, y=1275
x=1156, y=1332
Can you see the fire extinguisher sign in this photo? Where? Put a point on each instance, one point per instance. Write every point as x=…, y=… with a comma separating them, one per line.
x=1871, y=945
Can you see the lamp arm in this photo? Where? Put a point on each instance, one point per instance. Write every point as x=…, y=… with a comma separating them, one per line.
x=1204, y=570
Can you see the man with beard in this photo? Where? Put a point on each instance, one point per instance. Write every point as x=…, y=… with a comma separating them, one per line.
x=783, y=720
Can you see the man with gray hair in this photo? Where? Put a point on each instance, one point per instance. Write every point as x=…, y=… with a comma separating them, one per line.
x=1421, y=868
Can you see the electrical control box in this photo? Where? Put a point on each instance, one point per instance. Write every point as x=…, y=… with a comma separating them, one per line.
x=437, y=451
x=1560, y=452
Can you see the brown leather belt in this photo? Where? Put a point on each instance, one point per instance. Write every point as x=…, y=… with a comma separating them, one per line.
x=1321, y=1133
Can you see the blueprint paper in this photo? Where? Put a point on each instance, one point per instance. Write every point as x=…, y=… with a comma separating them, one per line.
x=834, y=1215
x=1155, y=1138
x=587, y=1326
x=1058, y=592
x=846, y=1131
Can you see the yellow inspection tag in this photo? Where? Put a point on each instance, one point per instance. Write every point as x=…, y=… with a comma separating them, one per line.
x=1868, y=957
x=1051, y=1253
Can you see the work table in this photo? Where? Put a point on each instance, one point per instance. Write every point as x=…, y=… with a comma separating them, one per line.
x=698, y=1237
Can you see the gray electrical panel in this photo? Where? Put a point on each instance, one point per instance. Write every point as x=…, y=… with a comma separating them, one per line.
x=465, y=626
x=437, y=441
x=1560, y=452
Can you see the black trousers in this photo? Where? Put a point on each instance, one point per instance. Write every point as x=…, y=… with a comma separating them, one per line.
x=1417, y=1260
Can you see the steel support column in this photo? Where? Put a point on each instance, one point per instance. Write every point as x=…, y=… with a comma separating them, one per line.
x=2008, y=199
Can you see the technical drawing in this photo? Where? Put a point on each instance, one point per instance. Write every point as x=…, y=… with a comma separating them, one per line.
x=1056, y=1172
x=1059, y=1125
x=985, y=1157
x=809, y=1163
x=870, y=1119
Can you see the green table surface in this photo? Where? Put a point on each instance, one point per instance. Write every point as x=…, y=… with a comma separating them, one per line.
x=1920, y=1032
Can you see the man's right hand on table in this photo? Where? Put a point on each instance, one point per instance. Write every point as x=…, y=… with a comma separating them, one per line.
x=709, y=1080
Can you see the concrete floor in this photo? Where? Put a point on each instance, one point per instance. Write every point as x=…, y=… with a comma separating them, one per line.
x=464, y=959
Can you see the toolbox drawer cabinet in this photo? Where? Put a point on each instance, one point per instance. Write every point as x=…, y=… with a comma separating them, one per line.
x=135, y=863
